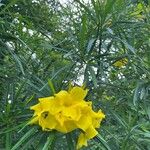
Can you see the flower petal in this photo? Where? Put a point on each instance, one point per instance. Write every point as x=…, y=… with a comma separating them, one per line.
x=72, y=113
x=84, y=122
x=82, y=141
x=64, y=98
x=70, y=125
x=37, y=108
x=47, y=121
x=46, y=102
x=61, y=129
x=97, y=118
x=78, y=93
x=91, y=132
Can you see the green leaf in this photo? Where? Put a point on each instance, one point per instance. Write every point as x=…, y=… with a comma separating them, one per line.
x=137, y=94
x=103, y=142
x=90, y=45
x=70, y=141
x=51, y=86
x=24, y=138
x=92, y=72
x=82, y=33
x=12, y=129
x=120, y=120
x=9, y=5
x=49, y=141
x=8, y=140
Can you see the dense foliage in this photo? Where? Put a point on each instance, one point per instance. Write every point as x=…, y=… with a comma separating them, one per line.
x=78, y=42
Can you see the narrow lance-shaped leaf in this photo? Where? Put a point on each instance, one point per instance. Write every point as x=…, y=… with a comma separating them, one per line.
x=92, y=72
x=24, y=138
x=49, y=141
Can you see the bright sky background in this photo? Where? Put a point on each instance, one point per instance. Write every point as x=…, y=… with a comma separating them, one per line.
x=65, y=1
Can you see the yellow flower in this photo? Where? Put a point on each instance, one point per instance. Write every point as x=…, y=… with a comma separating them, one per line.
x=120, y=63
x=84, y=137
x=82, y=141
x=67, y=111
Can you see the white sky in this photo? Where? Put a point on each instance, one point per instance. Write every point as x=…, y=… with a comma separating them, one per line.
x=66, y=1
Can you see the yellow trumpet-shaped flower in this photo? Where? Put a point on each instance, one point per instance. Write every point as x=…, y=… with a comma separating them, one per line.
x=67, y=111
